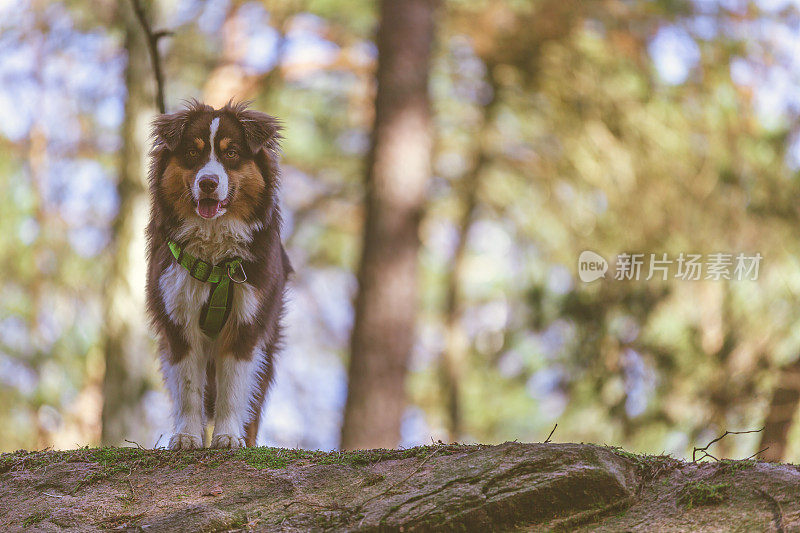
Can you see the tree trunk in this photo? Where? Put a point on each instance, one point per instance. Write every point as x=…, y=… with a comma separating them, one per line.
x=398, y=168
x=453, y=357
x=781, y=413
x=129, y=354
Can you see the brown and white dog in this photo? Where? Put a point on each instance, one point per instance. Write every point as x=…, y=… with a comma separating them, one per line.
x=213, y=186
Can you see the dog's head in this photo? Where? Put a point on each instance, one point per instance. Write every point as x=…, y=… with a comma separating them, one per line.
x=213, y=163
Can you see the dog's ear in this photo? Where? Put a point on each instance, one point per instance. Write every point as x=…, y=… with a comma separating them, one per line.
x=261, y=131
x=168, y=129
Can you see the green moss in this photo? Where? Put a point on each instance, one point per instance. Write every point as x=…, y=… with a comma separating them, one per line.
x=737, y=466
x=626, y=454
x=35, y=518
x=266, y=457
x=702, y=493
x=10, y=461
x=650, y=467
x=125, y=460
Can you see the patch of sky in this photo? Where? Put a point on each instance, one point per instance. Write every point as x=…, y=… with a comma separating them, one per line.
x=212, y=16
x=703, y=26
x=305, y=404
x=555, y=337
x=51, y=78
x=83, y=191
x=639, y=382
x=181, y=12
x=599, y=201
x=49, y=327
x=353, y=141
x=262, y=40
x=626, y=328
x=510, y=364
x=88, y=241
x=559, y=280
x=17, y=375
x=15, y=334
x=305, y=44
x=110, y=111
x=330, y=288
x=775, y=6
x=674, y=53
x=490, y=237
x=545, y=386
x=414, y=429
x=441, y=238
x=14, y=15
x=18, y=90
x=27, y=231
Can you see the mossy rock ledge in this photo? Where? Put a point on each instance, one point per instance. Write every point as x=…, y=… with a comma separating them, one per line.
x=509, y=487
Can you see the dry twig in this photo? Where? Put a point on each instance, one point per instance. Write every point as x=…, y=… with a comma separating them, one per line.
x=759, y=452
x=705, y=448
x=136, y=443
x=550, y=435
x=152, y=37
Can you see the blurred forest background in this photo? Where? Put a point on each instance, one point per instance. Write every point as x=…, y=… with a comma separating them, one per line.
x=554, y=126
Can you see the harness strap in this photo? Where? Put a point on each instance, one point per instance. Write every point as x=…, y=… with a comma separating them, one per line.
x=217, y=308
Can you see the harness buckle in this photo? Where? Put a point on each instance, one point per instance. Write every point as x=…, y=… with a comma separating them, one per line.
x=232, y=267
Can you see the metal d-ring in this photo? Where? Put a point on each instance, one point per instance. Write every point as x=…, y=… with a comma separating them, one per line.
x=241, y=269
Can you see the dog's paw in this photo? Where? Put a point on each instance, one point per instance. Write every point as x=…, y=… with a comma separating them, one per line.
x=227, y=442
x=185, y=441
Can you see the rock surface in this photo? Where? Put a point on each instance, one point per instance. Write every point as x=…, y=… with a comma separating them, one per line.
x=509, y=487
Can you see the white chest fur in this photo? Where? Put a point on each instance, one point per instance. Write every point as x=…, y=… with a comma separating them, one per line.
x=217, y=239
x=184, y=296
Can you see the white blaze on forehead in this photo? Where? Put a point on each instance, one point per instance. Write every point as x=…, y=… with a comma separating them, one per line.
x=214, y=128
x=213, y=166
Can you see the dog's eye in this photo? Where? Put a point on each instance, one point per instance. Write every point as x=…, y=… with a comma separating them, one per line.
x=230, y=154
x=192, y=153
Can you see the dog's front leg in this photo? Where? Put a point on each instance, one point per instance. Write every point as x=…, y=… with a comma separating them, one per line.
x=186, y=380
x=235, y=380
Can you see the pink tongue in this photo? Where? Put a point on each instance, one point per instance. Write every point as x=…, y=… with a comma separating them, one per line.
x=207, y=207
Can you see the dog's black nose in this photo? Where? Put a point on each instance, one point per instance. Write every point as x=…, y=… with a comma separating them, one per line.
x=208, y=183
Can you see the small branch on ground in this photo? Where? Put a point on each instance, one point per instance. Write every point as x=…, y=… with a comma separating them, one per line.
x=550, y=435
x=152, y=37
x=705, y=448
x=759, y=452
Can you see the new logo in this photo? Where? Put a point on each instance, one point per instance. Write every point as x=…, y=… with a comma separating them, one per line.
x=591, y=266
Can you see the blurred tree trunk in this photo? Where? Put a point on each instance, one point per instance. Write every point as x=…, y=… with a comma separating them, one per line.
x=128, y=351
x=781, y=412
x=453, y=357
x=398, y=168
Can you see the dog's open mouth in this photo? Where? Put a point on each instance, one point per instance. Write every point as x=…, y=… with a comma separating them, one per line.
x=210, y=207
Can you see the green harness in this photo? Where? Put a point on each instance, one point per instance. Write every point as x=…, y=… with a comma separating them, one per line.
x=216, y=310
